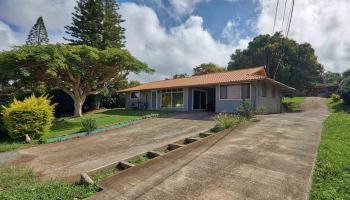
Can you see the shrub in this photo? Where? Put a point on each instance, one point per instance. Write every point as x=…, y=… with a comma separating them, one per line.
x=224, y=121
x=335, y=98
x=246, y=109
x=260, y=110
x=32, y=116
x=344, y=90
x=88, y=124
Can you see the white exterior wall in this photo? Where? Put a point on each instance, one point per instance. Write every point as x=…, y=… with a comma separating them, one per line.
x=272, y=104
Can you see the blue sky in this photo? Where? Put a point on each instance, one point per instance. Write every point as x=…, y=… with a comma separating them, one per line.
x=173, y=36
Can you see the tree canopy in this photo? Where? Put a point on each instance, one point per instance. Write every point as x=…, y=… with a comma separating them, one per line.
x=207, y=68
x=38, y=34
x=331, y=77
x=78, y=70
x=96, y=23
x=286, y=61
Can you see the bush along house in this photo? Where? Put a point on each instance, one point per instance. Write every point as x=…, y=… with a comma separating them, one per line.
x=217, y=92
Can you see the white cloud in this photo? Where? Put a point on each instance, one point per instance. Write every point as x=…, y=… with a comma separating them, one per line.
x=7, y=36
x=169, y=52
x=184, y=7
x=22, y=14
x=323, y=24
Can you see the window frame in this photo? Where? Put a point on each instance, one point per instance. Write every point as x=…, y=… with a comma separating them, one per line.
x=138, y=98
x=171, y=92
x=240, y=91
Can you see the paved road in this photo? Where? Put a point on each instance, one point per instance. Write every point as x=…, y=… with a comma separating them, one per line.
x=69, y=158
x=270, y=159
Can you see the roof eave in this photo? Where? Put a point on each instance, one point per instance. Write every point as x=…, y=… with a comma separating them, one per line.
x=283, y=86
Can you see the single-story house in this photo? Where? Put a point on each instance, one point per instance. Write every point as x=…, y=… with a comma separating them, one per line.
x=217, y=92
x=323, y=90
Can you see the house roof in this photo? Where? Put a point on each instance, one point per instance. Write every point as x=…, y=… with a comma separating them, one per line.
x=242, y=75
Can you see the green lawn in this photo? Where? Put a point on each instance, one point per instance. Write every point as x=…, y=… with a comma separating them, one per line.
x=10, y=146
x=331, y=179
x=292, y=104
x=21, y=183
x=66, y=126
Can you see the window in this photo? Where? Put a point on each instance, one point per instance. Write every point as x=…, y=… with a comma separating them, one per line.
x=173, y=98
x=263, y=90
x=135, y=95
x=245, y=94
x=230, y=91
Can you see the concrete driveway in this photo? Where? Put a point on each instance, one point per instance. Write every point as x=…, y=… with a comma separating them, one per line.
x=69, y=158
x=269, y=159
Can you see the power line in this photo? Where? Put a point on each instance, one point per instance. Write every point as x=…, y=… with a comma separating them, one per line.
x=274, y=21
x=284, y=13
x=290, y=18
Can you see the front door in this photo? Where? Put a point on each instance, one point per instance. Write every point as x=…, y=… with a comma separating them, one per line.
x=199, y=100
x=154, y=100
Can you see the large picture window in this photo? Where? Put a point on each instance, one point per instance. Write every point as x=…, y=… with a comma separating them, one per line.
x=172, y=98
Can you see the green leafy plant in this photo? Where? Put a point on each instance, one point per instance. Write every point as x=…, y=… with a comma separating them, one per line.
x=224, y=121
x=260, y=110
x=88, y=124
x=335, y=98
x=33, y=116
x=246, y=109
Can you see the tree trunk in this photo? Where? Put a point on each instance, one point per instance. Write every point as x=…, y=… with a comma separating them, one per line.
x=78, y=105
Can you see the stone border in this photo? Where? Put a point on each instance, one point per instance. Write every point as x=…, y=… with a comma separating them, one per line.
x=101, y=130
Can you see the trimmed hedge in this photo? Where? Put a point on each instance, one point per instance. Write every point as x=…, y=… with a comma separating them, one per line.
x=32, y=116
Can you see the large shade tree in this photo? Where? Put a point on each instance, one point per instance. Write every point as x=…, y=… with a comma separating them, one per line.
x=286, y=60
x=77, y=70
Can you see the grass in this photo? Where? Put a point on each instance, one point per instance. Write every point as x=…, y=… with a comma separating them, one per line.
x=331, y=178
x=105, y=173
x=20, y=182
x=139, y=159
x=5, y=146
x=65, y=126
x=292, y=104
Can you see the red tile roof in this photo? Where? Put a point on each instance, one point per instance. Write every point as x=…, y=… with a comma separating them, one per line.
x=242, y=75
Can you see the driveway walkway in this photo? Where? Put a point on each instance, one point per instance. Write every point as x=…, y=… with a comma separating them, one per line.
x=69, y=158
x=270, y=159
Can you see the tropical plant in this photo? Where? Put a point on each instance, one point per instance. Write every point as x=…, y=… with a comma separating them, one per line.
x=88, y=124
x=38, y=34
x=78, y=70
x=32, y=116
